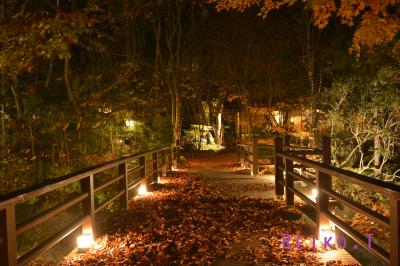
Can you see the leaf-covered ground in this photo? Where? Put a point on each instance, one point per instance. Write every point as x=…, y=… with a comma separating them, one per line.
x=185, y=221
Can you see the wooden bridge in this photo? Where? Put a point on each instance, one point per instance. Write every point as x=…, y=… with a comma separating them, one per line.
x=130, y=172
x=291, y=164
x=142, y=169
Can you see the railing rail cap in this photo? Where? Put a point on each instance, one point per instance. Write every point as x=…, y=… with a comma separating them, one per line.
x=52, y=184
x=388, y=189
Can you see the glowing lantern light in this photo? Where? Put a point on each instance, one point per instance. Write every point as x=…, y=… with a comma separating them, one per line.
x=85, y=242
x=142, y=190
x=327, y=233
x=104, y=110
x=314, y=193
x=129, y=123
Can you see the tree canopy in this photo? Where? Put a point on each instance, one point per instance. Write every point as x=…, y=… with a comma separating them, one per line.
x=376, y=22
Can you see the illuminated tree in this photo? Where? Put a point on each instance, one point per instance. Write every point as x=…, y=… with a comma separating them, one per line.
x=364, y=114
x=376, y=22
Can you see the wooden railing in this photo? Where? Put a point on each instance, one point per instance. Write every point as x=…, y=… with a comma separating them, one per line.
x=248, y=155
x=148, y=166
x=252, y=154
x=287, y=160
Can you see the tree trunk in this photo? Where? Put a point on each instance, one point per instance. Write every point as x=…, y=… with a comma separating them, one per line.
x=177, y=118
x=3, y=112
x=3, y=126
x=49, y=74
x=245, y=107
x=309, y=64
x=377, y=148
x=211, y=118
x=377, y=154
x=173, y=36
x=70, y=91
x=2, y=11
x=17, y=99
x=220, y=133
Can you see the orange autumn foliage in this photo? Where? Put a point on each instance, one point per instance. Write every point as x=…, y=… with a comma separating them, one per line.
x=377, y=22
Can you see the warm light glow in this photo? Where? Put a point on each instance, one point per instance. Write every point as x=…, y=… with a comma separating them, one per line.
x=292, y=119
x=314, y=193
x=142, y=190
x=327, y=232
x=278, y=117
x=129, y=123
x=158, y=180
x=85, y=241
x=104, y=110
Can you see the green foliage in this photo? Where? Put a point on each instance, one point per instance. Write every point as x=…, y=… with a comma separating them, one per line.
x=373, y=200
x=362, y=110
x=40, y=36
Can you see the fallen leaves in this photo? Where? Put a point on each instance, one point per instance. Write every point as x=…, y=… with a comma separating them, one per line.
x=186, y=222
x=211, y=159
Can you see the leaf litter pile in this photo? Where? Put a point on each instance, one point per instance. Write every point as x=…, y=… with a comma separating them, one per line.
x=185, y=222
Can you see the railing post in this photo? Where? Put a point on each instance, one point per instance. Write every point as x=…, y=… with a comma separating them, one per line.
x=323, y=181
x=238, y=151
x=164, y=160
x=170, y=158
x=394, y=231
x=123, y=170
x=238, y=139
x=286, y=142
x=8, y=237
x=254, y=157
x=278, y=163
x=143, y=169
x=289, y=182
x=245, y=155
x=326, y=150
x=241, y=156
x=155, y=166
x=175, y=158
x=87, y=186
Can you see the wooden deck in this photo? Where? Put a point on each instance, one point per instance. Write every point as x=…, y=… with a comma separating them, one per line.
x=248, y=241
x=335, y=255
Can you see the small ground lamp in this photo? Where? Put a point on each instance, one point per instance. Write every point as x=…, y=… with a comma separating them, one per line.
x=314, y=193
x=85, y=241
x=142, y=191
x=327, y=232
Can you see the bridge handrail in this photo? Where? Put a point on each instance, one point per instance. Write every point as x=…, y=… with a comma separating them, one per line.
x=10, y=230
x=249, y=153
x=286, y=161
